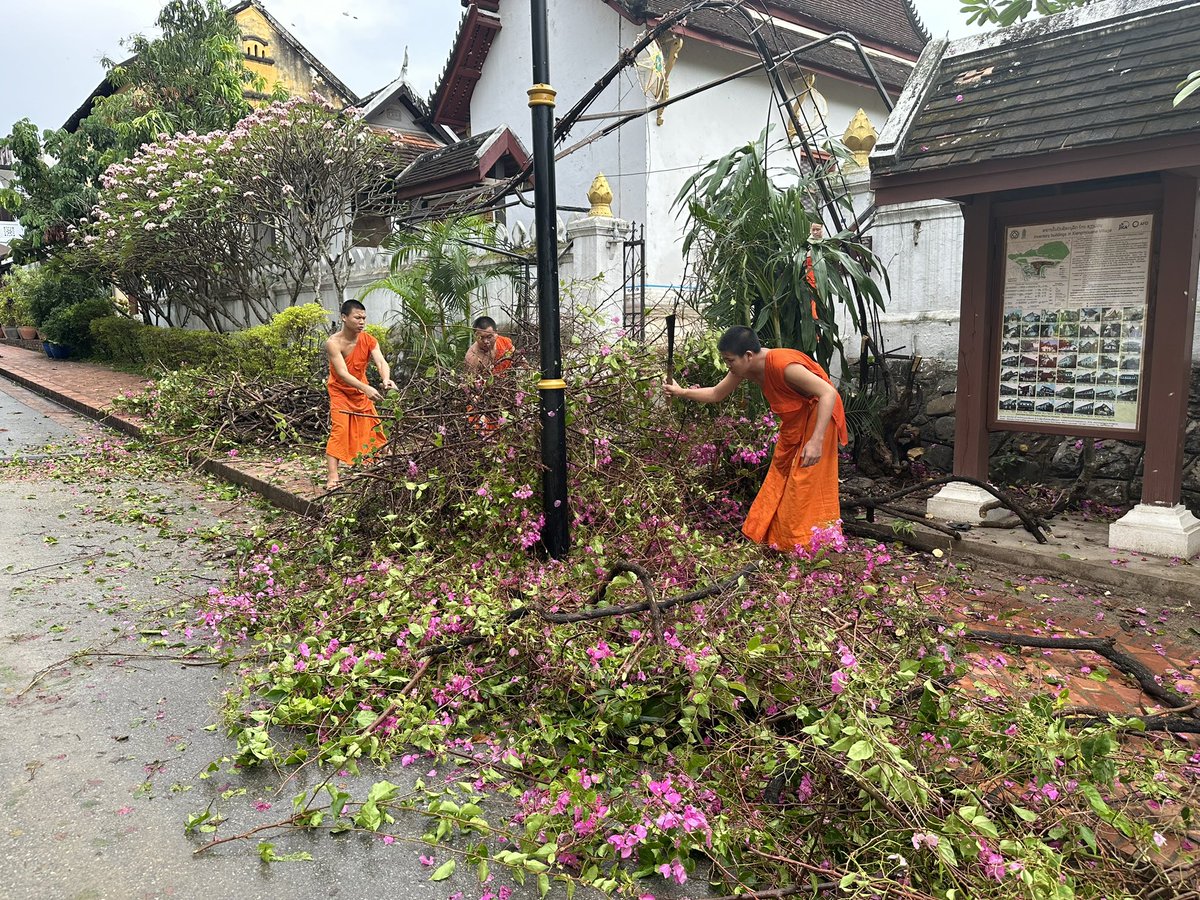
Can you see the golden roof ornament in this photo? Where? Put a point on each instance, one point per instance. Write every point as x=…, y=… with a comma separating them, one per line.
x=860, y=137
x=600, y=195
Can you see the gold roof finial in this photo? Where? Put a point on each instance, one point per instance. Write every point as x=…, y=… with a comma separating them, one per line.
x=860, y=137
x=600, y=195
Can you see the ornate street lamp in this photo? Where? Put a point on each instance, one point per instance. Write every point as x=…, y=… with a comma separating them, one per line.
x=551, y=388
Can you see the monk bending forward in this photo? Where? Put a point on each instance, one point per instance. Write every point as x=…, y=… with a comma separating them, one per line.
x=355, y=430
x=800, y=492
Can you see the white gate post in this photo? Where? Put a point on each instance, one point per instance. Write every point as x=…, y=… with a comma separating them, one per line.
x=597, y=247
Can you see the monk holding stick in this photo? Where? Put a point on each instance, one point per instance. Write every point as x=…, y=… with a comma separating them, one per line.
x=800, y=492
x=355, y=430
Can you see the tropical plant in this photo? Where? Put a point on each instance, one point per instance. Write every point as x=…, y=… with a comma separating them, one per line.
x=759, y=264
x=55, y=185
x=440, y=274
x=190, y=78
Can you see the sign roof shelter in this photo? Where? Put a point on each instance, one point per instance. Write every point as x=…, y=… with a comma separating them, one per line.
x=1064, y=127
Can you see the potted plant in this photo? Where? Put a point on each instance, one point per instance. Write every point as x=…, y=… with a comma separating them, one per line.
x=16, y=309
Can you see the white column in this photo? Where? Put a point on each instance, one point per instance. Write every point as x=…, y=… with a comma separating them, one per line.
x=597, y=247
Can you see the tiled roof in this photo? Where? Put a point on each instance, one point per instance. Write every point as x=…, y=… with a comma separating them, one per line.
x=466, y=162
x=1103, y=75
x=406, y=148
x=890, y=23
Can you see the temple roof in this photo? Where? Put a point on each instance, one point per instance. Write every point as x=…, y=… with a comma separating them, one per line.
x=890, y=30
x=493, y=154
x=1100, y=76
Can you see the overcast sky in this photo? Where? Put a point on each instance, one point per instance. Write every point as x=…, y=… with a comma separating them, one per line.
x=52, y=50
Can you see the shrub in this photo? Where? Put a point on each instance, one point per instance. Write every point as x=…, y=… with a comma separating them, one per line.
x=117, y=339
x=14, y=296
x=128, y=342
x=54, y=286
x=70, y=325
x=288, y=348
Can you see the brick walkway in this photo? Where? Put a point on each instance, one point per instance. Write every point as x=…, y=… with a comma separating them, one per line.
x=89, y=389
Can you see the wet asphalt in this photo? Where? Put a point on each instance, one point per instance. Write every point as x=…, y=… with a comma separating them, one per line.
x=100, y=753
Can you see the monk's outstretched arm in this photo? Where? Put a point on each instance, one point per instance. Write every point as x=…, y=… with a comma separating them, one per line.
x=714, y=394
x=385, y=371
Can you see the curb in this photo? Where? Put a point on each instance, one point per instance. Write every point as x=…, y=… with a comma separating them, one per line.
x=1180, y=587
x=103, y=416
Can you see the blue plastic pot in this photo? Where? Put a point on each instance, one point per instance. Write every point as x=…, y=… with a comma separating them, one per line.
x=56, y=351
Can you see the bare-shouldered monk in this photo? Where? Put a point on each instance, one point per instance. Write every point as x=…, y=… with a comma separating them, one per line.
x=490, y=353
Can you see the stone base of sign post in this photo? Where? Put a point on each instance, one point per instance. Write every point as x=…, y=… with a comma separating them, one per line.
x=959, y=502
x=1157, y=531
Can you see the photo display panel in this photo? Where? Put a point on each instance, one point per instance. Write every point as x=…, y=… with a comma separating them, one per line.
x=1073, y=326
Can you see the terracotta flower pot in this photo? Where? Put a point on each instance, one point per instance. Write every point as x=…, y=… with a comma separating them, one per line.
x=27, y=332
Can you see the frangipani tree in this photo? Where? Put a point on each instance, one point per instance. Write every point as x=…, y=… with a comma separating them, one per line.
x=209, y=226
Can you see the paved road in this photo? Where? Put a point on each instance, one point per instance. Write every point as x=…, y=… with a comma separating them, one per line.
x=28, y=422
x=99, y=754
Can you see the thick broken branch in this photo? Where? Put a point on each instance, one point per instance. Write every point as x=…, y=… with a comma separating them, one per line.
x=856, y=500
x=1105, y=647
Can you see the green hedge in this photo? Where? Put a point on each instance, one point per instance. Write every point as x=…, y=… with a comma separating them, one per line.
x=289, y=348
x=130, y=343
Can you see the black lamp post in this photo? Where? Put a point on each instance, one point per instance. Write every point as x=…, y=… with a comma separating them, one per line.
x=551, y=389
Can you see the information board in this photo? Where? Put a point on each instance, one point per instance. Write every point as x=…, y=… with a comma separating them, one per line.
x=1074, y=323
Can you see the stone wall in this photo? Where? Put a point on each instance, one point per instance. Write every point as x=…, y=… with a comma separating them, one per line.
x=1023, y=458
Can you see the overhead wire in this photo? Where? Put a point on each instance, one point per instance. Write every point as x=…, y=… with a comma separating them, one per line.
x=778, y=70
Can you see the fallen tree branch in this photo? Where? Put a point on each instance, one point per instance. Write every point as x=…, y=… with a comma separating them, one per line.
x=1105, y=647
x=857, y=500
x=602, y=612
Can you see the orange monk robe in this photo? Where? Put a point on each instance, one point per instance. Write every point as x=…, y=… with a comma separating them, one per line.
x=352, y=436
x=502, y=353
x=796, y=498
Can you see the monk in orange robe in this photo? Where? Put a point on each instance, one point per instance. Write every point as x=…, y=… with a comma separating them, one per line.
x=490, y=353
x=355, y=430
x=800, y=492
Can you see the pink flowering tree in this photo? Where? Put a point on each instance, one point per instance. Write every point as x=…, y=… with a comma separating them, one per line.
x=210, y=228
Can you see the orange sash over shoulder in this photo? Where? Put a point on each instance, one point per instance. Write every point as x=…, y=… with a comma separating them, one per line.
x=355, y=430
x=502, y=353
x=794, y=498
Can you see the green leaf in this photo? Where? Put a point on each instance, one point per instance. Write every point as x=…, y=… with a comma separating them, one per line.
x=861, y=750
x=444, y=871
